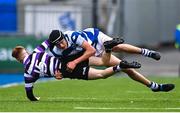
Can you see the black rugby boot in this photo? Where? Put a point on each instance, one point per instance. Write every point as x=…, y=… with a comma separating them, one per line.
x=108, y=45
x=124, y=64
x=164, y=87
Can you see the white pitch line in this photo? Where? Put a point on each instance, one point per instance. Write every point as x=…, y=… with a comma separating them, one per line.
x=73, y=98
x=142, y=92
x=122, y=108
x=116, y=99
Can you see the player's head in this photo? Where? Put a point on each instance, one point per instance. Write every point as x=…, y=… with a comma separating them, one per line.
x=57, y=38
x=19, y=52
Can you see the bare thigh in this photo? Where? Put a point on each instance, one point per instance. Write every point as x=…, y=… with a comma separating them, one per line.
x=114, y=61
x=97, y=61
x=94, y=74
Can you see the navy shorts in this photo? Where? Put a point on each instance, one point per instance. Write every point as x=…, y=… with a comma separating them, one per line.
x=80, y=72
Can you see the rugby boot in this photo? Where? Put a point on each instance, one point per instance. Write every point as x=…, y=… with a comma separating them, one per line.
x=164, y=87
x=155, y=55
x=108, y=45
x=124, y=64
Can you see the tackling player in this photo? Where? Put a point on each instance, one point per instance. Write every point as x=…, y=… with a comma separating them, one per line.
x=72, y=42
x=68, y=46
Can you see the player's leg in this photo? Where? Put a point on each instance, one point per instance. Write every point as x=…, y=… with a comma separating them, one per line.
x=116, y=46
x=133, y=74
x=104, y=60
x=102, y=74
x=136, y=50
x=96, y=61
x=107, y=59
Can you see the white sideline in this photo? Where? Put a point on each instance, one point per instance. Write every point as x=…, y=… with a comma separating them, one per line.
x=122, y=108
x=92, y=98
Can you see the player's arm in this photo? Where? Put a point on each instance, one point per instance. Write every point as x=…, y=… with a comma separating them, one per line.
x=43, y=46
x=89, y=51
x=29, y=88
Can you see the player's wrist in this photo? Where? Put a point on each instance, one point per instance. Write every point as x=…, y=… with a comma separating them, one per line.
x=75, y=62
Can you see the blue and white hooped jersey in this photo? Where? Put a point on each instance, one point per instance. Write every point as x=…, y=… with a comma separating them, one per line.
x=75, y=39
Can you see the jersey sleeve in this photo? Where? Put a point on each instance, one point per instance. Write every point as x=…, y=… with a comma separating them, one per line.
x=80, y=40
x=42, y=47
x=77, y=38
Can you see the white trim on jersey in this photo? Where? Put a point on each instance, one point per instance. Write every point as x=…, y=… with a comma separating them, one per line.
x=28, y=85
x=60, y=65
x=43, y=58
x=32, y=63
x=51, y=66
x=37, y=50
x=45, y=45
x=27, y=75
x=56, y=63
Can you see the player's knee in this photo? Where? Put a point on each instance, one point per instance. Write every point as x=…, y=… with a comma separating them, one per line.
x=101, y=76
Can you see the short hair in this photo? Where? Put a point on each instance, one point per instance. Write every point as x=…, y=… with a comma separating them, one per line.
x=16, y=51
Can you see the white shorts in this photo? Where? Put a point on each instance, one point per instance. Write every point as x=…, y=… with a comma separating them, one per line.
x=99, y=47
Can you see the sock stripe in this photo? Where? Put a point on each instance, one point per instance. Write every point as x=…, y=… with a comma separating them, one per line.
x=146, y=52
x=154, y=86
x=116, y=68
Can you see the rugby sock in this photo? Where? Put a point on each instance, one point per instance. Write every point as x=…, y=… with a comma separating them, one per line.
x=146, y=52
x=154, y=86
x=116, y=68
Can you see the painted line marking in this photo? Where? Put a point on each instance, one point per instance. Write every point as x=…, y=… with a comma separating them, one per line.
x=110, y=99
x=122, y=108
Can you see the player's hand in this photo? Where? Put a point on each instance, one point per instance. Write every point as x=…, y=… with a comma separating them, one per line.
x=70, y=66
x=58, y=75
